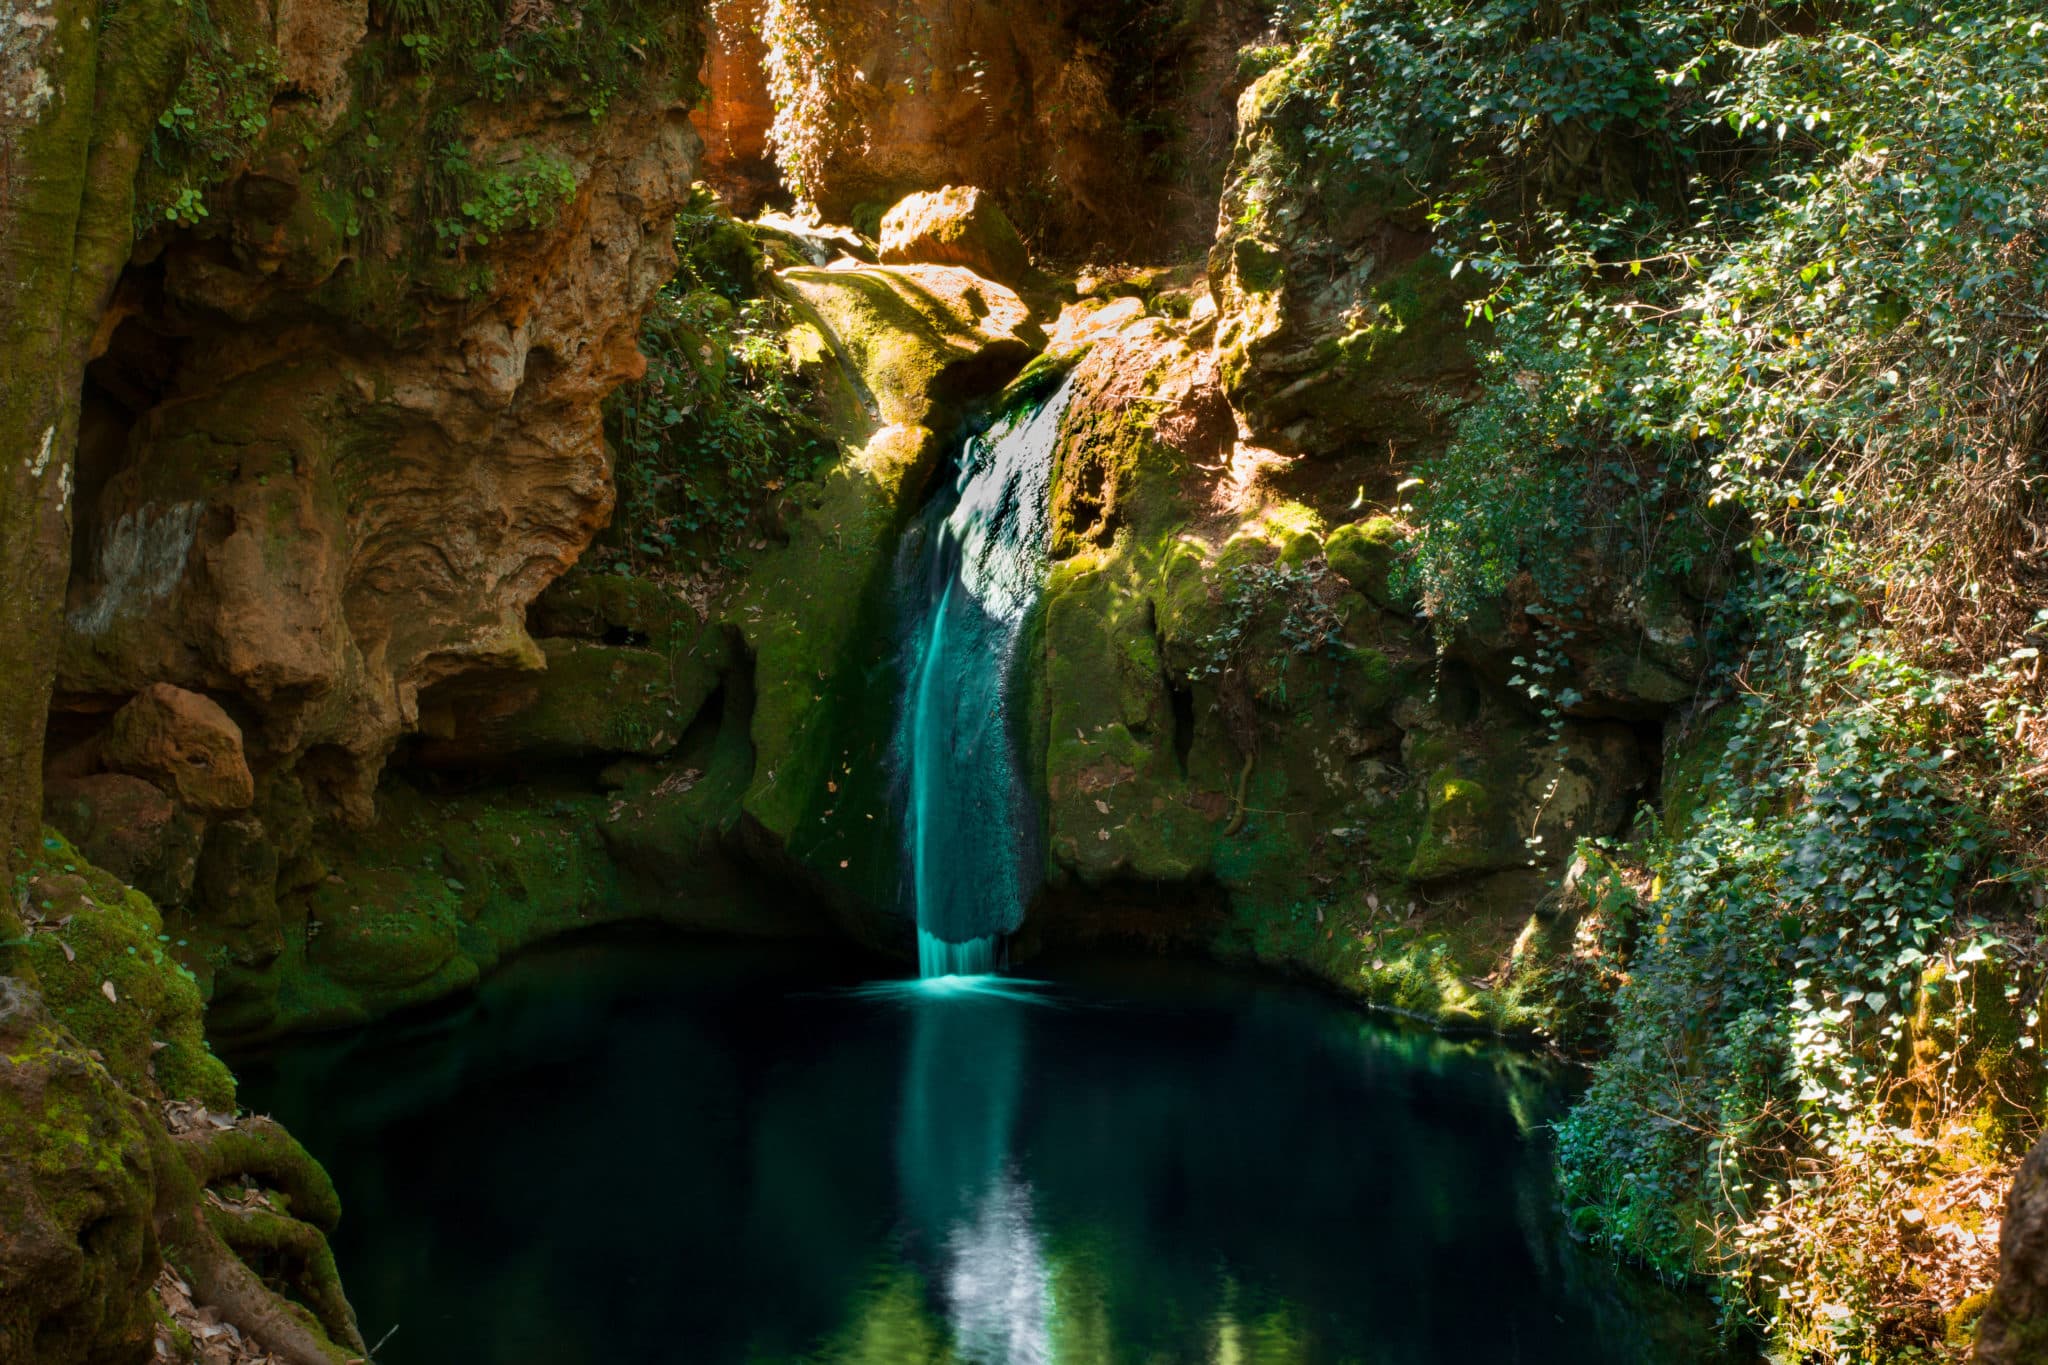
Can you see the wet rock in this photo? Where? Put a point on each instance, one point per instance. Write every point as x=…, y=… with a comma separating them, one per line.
x=185, y=743
x=958, y=225
x=911, y=346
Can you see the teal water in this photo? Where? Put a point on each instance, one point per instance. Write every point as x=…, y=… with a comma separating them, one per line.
x=648, y=1150
x=968, y=574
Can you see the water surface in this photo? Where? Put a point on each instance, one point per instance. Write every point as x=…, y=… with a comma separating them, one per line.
x=647, y=1150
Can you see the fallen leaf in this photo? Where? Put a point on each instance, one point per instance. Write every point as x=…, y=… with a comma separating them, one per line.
x=70, y=953
x=1102, y=806
x=1103, y=835
x=107, y=989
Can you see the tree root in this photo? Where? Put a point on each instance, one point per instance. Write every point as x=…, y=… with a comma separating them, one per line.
x=1244, y=779
x=264, y=1152
x=290, y=1247
x=209, y=1243
x=221, y=1281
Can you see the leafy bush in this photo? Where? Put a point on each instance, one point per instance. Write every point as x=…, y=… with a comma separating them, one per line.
x=720, y=423
x=1771, y=276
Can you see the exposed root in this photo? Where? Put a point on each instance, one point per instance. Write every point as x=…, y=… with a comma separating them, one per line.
x=221, y=1238
x=262, y=1151
x=220, y=1280
x=1244, y=780
x=295, y=1251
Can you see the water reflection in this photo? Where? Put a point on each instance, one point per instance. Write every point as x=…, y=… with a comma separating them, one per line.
x=683, y=1155
x=962, y=1195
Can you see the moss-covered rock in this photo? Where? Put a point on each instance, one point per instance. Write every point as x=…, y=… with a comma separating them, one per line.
x=1339, y=334
x=78, y=1247
x=920, y=337
x=110, y=975
x=814, y=614
x=185, y=743
x=592, y=699
x=957, y=225
x=1365, y=553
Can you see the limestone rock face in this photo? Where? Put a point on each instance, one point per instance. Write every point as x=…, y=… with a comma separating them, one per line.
x=324, y=470
x=1337, y=331
x=185, y=743
x=2014, y=1328
x=1100, y=124
x=735, y=116
x=78, y=1248
x=958, y=225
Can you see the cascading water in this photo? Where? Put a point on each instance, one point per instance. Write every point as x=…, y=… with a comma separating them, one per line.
x=969, y=575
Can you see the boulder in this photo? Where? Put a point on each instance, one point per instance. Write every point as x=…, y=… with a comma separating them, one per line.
x=919, y=338
x=185, y=743
x=958, y=225
x=1364, y=554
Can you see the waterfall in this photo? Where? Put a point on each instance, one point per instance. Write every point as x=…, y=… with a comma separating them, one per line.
x=968, y=575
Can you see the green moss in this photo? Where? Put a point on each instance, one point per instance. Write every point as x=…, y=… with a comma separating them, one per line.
x=908, y=343
x=1365, y=554
x=1696, y=768
x=1463, y=832
x=149, y=1028
x=592, y=699
x=75, y=1162
x=1036, y=382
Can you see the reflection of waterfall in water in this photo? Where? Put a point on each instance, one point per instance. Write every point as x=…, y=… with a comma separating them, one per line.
x=969, y=574
x=963, y=1197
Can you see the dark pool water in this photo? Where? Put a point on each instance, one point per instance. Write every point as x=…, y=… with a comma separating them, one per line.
x=657, y=1151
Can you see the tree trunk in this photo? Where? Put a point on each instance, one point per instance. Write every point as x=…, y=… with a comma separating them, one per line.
x=81, y=84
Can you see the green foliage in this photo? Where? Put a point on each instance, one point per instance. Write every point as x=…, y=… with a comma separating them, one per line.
x=1288, y=608
x=1772, y=281
x=219, y=111
x=585, y=55
x=720, y=422
x=525, y=194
